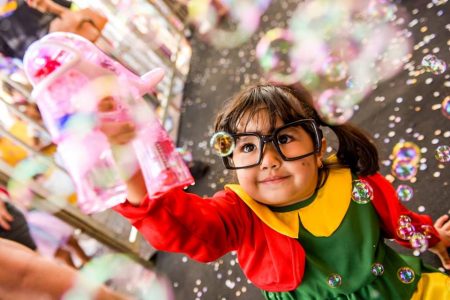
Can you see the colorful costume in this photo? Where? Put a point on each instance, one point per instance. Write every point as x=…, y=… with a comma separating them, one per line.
x=343, y=241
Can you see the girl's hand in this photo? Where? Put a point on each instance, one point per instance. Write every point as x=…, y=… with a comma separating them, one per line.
x=442, y=226
x=46, y=6
x=5, y=217
x=41, y=5
x=117, y=132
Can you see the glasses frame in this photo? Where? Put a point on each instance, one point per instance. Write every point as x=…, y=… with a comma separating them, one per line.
x=264, y=139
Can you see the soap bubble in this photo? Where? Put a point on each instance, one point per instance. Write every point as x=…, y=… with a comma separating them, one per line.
x=445, y=107
x=419, y=242
x=362, y=192
x=404, y=220
x=403, y=170
x=377, y=269
x=335, y=69
x=222, y=143
x=333, y=106
x=442, y=154
x=407, y=151
x=405, y=275
x=427, y=230
x=433, y=64
x=334, y=280
x=274, y=53
x=404, y=192
x=405, y=231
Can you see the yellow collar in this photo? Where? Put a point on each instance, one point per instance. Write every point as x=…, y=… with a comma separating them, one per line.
x=321, y=218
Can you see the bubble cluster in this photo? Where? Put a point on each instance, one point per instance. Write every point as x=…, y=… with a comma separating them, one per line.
x=406, y=158
x=362, y=192
x=404, y=192
x=417, y=239
x=337, y=54
x=222, y=143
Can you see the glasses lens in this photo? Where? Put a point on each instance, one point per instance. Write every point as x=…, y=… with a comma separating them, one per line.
x=246, y=152
x=295, y=140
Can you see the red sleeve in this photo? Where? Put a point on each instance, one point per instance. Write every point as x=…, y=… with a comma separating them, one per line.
x=389, y=210
x=202, y=228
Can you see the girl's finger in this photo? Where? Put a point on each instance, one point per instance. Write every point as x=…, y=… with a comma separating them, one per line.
x=4, y=214
x=440, y=222
x=124, y=138
x=106, y=104
x=113, y=129
x=445, y=259
x=4, y=224
x=446, y=227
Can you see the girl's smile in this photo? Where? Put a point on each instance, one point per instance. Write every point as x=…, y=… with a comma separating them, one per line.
x=274, y=179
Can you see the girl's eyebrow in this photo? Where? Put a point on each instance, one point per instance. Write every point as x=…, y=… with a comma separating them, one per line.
x=257, y=132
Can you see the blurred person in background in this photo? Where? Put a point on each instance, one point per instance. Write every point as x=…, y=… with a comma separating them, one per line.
x=27, y=275
x=33, y=19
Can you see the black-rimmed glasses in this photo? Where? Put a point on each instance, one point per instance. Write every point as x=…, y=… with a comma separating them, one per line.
x=289, y=140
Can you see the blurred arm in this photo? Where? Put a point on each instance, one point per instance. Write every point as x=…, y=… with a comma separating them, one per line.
x=27, y=275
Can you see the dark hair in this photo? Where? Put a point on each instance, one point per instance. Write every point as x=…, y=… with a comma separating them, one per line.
x=291, y=103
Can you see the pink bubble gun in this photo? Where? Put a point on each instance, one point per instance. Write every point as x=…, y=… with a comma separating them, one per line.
x=70, y=76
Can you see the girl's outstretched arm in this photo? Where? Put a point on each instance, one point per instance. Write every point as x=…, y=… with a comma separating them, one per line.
x=442, y=225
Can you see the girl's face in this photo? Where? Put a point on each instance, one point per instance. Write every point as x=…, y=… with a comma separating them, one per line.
x=277, y=182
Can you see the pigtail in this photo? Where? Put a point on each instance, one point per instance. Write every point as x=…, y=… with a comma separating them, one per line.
x=356, y=150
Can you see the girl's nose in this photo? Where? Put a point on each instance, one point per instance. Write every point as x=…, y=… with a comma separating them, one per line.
x=271, y=159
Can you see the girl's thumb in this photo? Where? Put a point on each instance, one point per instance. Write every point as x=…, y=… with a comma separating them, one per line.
x=445, y=259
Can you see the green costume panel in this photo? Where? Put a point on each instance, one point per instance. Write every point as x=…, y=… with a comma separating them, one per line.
x=352, y=263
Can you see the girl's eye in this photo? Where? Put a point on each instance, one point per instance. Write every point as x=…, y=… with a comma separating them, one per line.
x=247, y=148
x=284, y=139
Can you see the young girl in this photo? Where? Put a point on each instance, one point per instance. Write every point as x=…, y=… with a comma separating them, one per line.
x=303, y=226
